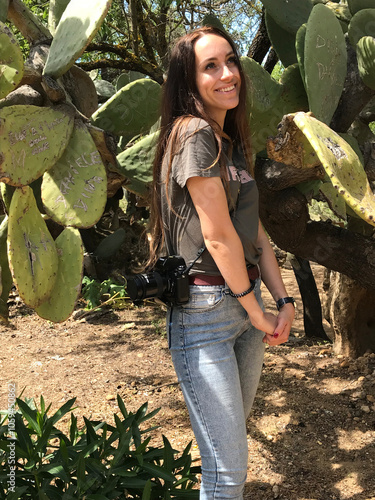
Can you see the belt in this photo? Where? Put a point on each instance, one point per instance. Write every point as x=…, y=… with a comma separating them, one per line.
x=203, y=279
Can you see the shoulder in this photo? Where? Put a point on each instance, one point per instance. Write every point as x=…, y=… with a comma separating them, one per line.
x=192, y=127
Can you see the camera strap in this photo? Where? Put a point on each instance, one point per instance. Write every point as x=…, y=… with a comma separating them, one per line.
x=199, y=253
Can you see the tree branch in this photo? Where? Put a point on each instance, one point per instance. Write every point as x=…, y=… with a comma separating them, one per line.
x=129, y=62
x=354, y=97
x=261, y=43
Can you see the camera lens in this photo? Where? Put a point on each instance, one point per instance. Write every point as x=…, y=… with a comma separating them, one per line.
x=145, y=286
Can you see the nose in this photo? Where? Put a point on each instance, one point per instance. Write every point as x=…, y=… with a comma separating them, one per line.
x=227, y=73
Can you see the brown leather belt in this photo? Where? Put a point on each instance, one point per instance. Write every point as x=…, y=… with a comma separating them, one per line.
x=202, y=279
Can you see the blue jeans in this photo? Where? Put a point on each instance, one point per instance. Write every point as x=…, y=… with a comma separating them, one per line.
x=218, y=357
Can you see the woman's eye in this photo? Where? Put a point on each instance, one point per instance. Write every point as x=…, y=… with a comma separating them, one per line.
x=210, y=65
x=232, y=60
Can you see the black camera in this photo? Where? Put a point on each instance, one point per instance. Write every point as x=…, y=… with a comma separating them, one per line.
x=169, y=281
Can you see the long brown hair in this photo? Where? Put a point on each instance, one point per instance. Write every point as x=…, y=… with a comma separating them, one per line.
x=181, y=101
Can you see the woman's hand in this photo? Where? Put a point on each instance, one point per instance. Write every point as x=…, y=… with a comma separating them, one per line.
x=265, y=321
x=284, y=324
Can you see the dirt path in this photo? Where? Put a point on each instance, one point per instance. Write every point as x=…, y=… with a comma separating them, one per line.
x=312, y=429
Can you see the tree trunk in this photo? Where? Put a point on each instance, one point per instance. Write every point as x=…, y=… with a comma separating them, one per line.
x=312, y=308
x=350, y=309
x=261, y=43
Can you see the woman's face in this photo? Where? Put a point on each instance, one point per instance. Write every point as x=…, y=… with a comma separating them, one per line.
x=218, y=76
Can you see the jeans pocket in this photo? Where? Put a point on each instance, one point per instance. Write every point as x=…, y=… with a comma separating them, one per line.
x=204, y=298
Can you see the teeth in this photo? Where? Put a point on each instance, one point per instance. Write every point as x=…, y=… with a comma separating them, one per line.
x=227, y=89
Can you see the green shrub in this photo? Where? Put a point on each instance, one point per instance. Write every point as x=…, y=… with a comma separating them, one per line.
x=98, y=462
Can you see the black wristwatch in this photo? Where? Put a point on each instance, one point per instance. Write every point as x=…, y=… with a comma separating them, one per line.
x=286, y=300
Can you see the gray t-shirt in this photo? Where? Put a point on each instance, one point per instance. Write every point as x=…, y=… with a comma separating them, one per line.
x=197, y=158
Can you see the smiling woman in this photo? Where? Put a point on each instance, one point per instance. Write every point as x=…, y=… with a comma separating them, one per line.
x=205, y=210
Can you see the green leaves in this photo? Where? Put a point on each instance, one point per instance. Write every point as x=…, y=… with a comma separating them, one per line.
x=100, y=461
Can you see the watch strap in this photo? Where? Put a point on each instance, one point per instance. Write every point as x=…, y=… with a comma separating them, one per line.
x=285, y=300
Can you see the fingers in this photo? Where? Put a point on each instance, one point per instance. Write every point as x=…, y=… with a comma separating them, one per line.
x=278, y=337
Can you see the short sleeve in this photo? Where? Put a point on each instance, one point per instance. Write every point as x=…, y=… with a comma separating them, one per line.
x=198, y=154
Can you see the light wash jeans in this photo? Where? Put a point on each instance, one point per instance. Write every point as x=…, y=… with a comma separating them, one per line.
x=218, y=358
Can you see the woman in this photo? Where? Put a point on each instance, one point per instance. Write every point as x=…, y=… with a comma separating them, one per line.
x=205, y=209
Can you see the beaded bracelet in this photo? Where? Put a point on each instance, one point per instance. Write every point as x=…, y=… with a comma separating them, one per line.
x=246, y=292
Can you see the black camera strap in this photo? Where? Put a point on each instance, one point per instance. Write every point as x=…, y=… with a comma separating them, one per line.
x=199, y=253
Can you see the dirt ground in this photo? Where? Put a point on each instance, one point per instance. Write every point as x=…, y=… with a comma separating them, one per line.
x=311, y=433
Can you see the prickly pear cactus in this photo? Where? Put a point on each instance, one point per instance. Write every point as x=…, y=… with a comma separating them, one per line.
x=132, y=110
x=357, y=5
x=128, y=77
x=6, y=194
x=342, y=13
x=60, y=304
x=296, y=151
x=366, y=60
x=300, y=51
x=341, y=163
x=3, y=10
x=104, y=89
x=289, y=14
x=56, y=10
x=78, y=25
x=6, y=277
x=335, y=201
x=31, y=146
x=11, y=61
x=282, y=41
x=268, y=101
x=362, y=24
x=31, y=249
x=74, y=190
x=212, y=20
x=325, y=62
x=136, y=164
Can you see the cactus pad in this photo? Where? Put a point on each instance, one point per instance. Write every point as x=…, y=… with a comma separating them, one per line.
x=30, y=146
x=135, y=163
x=3, y=10
x=56, y=10
x=300, y=50
x=128, y=77
x=366, y=60
x=357, y=5
x=282, y=41
x=6, y=194
x=325, y=62
x=77, y=27
x=342, y=165
x=60, y=304
x=6, y=280
x=289, y=14
x=11, y=61
x=269, y=100
x=335, y=201
x=132, y=110
x=362, y=24
x=291, y=147
x=31, y=249
x=74, y=190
